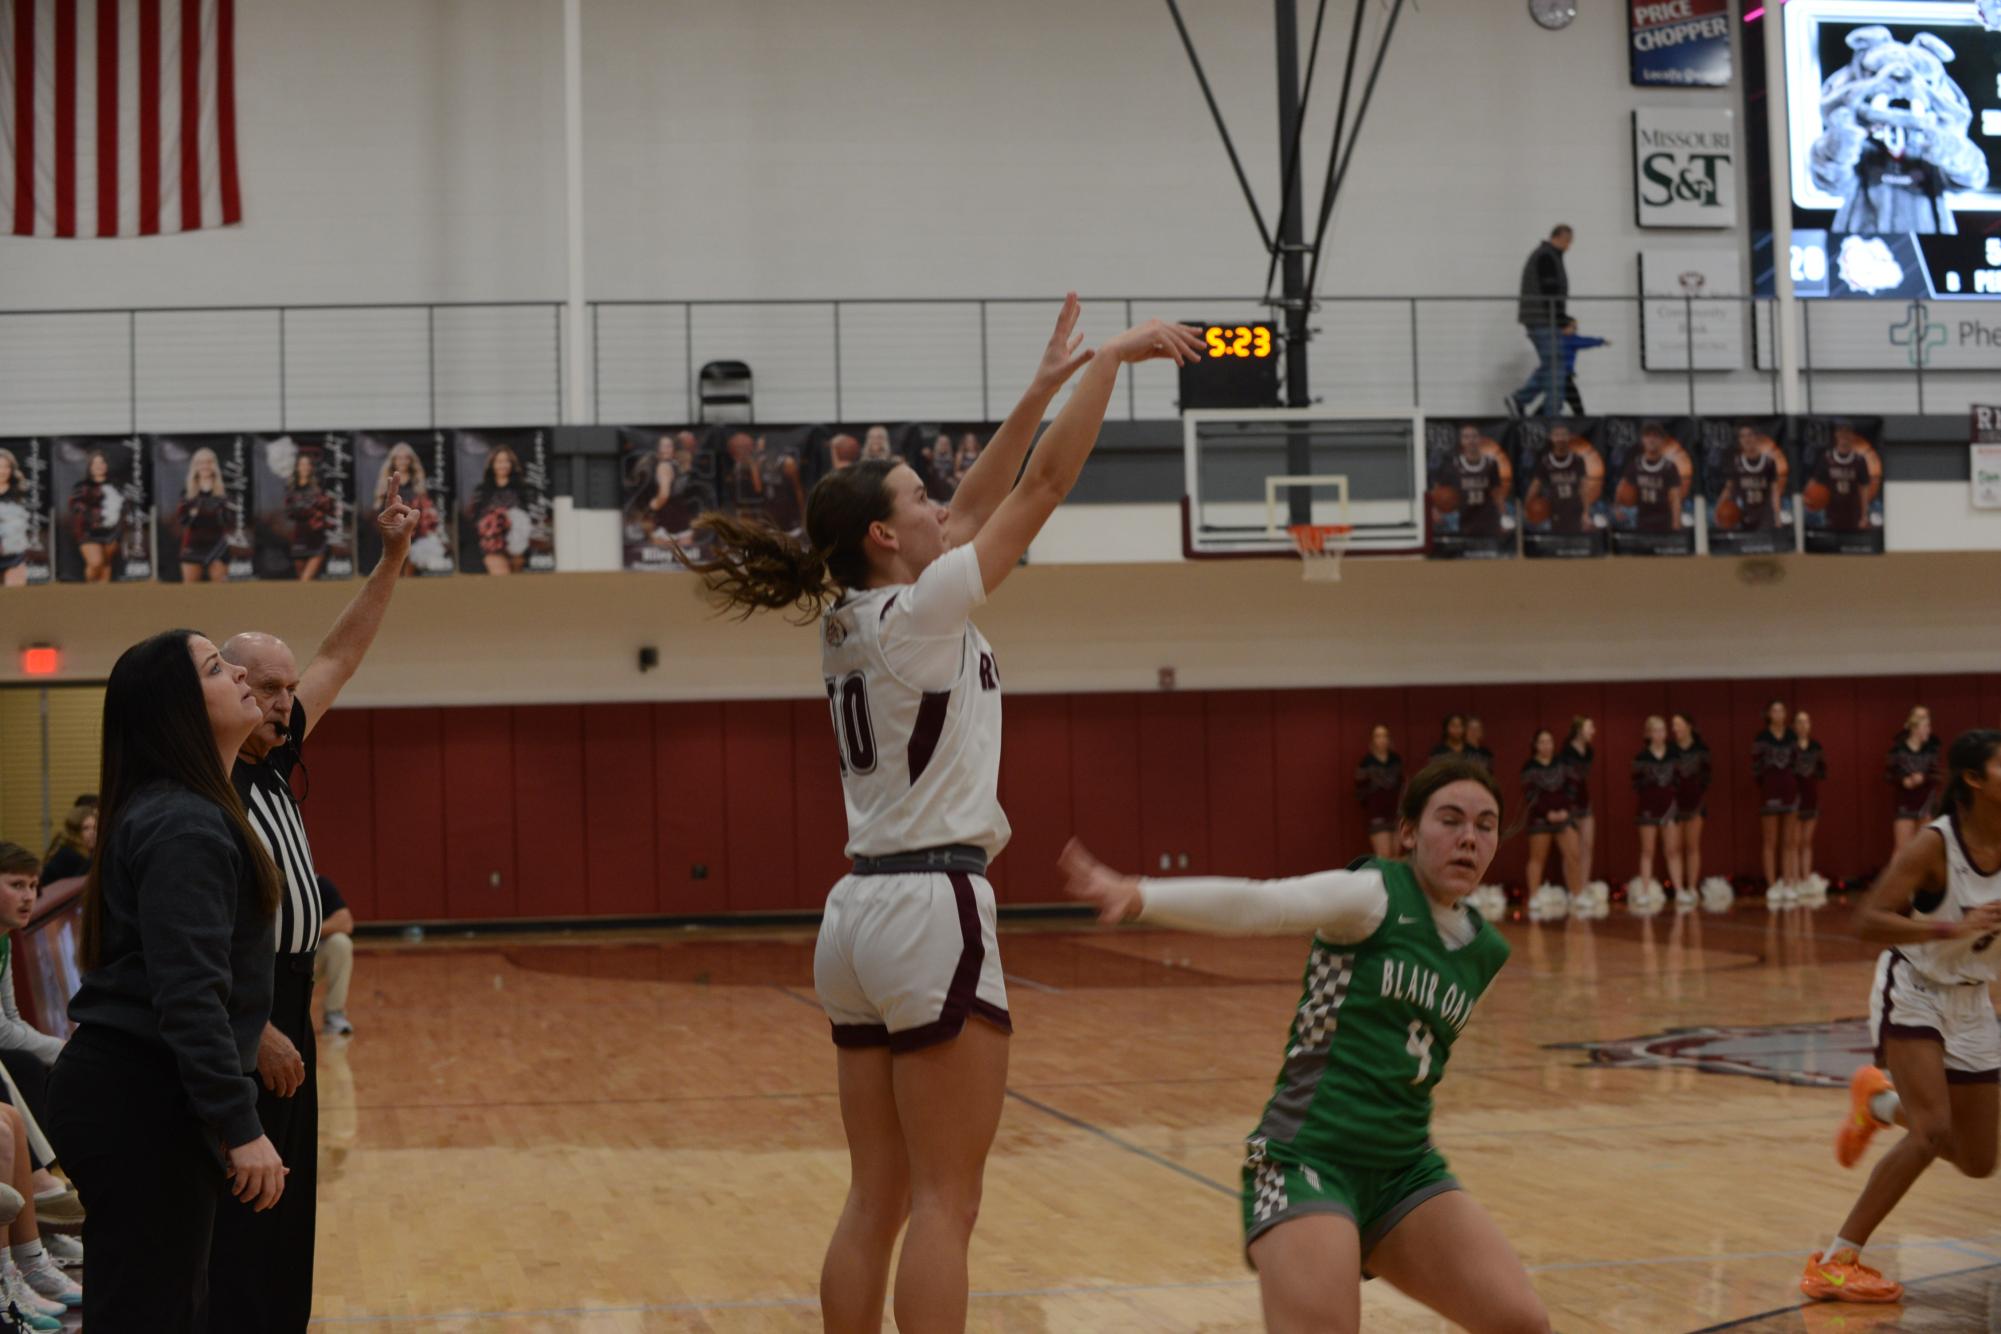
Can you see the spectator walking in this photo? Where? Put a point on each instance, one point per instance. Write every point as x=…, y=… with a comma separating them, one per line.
x=1541, y=313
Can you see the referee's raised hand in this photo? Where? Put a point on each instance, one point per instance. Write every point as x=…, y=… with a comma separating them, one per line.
x=398, y=525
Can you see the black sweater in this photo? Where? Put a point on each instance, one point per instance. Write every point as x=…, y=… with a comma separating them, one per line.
x=186, y=953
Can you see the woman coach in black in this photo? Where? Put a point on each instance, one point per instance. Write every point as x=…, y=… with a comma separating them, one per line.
x=152, y=1104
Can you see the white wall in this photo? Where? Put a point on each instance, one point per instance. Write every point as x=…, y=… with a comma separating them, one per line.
x=411, y=150
x=1248, y=624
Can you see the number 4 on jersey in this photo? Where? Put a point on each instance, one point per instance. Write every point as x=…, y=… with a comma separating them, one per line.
x=1418, y=1044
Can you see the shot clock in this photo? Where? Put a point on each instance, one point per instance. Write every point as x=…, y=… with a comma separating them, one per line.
x=1238, y=367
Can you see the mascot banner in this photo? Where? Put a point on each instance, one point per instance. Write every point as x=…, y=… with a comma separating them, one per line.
x=1470, y=502
x=505, y=517
x=1842, y=495
x=1653, y=484
x=1565, y=511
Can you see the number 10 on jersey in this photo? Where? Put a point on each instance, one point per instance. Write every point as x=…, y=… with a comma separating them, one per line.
x=854, y=733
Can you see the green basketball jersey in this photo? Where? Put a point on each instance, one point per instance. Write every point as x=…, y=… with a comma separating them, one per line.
x=1374, y=1029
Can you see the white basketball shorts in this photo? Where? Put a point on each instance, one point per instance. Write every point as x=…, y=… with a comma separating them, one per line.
x=903, y=959
x=1906, y=1004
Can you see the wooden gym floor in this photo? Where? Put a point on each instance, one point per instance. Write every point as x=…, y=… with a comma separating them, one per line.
x=639, y=1132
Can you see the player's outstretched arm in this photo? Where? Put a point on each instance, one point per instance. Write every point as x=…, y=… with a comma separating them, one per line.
x=987, y=483
x=1053, y=468
x=347, y=643
x=1341, y=906
x=1880, y=918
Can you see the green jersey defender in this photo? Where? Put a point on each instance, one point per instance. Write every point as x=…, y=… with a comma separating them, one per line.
x=1348, y=1126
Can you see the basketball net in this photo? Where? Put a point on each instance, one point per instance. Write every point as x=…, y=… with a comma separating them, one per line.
x=1320, y=546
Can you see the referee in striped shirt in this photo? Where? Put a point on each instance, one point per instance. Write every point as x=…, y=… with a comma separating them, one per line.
x=261, y=1264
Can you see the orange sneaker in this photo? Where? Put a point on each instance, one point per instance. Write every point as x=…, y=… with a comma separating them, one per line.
x=1860, y=1123
x=1842, y=1277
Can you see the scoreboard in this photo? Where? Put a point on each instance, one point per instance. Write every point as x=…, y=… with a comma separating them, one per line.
x=1238, y=368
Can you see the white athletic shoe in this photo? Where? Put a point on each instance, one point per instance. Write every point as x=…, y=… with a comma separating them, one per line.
x=1813, y=891
x=51, y=1283
x=1549, y=904
x=64, y=1249
x=1781, y=895
x=40, y=1311
x=1685, y=899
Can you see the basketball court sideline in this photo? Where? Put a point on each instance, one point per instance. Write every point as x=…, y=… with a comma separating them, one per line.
x=656, y=1110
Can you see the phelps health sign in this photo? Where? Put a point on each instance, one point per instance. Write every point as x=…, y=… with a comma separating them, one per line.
x=1680, y=43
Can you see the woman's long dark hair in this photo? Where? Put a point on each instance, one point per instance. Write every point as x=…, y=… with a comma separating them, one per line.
x=1969, y=754
x=1694, y=732
x=758, y=568
x=156, y=729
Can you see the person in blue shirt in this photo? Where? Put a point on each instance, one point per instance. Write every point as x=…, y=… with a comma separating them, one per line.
x=1573, y=343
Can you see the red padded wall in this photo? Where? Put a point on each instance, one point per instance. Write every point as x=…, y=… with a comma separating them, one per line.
x=702, y=808
x=689, y=851
x=407, y=784
x=339, y=805
x=479, y=814
x=549, y=794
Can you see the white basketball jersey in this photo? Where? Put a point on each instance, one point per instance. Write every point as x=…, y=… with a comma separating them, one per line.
x=916, y=702
x=1969, y=958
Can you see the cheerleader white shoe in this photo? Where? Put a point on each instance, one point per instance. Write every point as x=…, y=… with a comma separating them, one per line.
x=1718, y=894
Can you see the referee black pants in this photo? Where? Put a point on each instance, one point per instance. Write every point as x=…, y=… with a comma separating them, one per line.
x=151, y=1178
x=260, y=1268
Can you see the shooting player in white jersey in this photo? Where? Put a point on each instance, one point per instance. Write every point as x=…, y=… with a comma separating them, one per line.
x=907, y=950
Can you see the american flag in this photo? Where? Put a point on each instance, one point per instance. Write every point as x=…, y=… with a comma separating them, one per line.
x=117, y=117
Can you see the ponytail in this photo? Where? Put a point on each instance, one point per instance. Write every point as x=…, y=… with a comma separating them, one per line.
x=758, y=568
x=1970, y=753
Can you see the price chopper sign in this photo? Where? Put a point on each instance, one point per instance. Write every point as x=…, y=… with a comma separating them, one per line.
x=1986, y=447
x=1685, y=167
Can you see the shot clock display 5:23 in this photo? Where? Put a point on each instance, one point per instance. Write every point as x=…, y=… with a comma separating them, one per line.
x=1239, y=368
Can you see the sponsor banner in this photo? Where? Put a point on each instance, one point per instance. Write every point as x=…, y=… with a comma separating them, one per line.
x=1986, y=462
x=1471, y=508
x=1679, y=43
x=27, y=519
x=1887, y=335
x=506, y=519
x=1685, y=167
x=303, y=485
x=1842, y=491
x=1748, y=485
x=1689, y=310
x=104, y=531
x=1652, y=484
x=1565, y=511
x=203, y=516
x=416, y=468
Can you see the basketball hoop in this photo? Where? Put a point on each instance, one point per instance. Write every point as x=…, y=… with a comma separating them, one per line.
x=1320, y=546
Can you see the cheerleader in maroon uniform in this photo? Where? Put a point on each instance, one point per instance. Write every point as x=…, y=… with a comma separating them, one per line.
x=499, y=513
x=1476, y=743
x=1546, y=794
x=1577, y=758
x=1913, y=771
x=1378, y=781
x=1691, y=800
x=1451, y=737
x=96, y=509
x=1810, y=767
x=1656, y=781
x=205, y=519
x=311, y=510
x=1772, y=767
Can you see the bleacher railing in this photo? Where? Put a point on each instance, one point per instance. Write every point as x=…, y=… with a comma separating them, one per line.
x=500, y=363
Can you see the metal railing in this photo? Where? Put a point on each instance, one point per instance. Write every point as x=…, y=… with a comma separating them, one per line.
x=501, y=363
